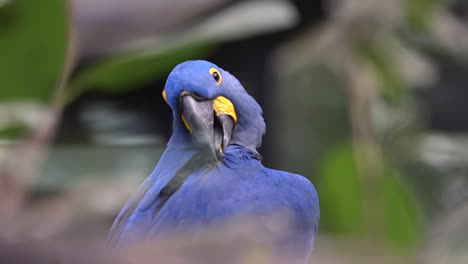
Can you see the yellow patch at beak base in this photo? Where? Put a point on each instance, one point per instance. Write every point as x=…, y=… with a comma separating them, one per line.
x=187, y=125
x=164, y=96
x=222, y=105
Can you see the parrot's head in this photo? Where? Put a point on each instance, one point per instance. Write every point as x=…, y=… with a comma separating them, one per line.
x=212, y=107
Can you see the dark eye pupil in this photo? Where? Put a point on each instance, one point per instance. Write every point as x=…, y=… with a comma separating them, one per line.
x=216, y=76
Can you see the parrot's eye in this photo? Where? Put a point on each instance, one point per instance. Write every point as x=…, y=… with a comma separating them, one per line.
x=216, y=75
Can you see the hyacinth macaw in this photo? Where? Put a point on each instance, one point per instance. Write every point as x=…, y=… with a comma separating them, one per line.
x=211, y=170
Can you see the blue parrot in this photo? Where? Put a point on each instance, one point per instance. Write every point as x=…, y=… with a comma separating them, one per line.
x=211, y=171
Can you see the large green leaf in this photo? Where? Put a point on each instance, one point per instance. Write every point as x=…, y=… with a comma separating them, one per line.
x=124, y=72
x=33, y=44
x=127, y=71
x=403, y=219
x=344, y=210
x=340, y=192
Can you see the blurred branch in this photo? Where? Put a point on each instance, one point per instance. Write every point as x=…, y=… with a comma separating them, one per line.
x=368, y=154
x=25, y=158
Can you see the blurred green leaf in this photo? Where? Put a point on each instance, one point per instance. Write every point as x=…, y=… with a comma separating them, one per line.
x=419, y=12
x=13, y=131
x=342, y=205
x=122, y=73
x=33, y=44
x=404, y=227
x=394, y=87
x=130, y=70
x=340, y=193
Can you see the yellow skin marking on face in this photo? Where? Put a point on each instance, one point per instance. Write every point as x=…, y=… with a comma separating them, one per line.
x=164, y=96
x=214, y=71
x=222, y=105
x=186, y=124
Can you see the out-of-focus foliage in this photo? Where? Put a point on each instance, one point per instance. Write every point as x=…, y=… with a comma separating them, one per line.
x=419, y=12
x=362, y=174
x=404, y=225
x=33, y=42
x=154, y=58
x=394, y=87
x=125, y=72
x=339, y=178
x=33, y=45
x=12, y=131
x=342, y=193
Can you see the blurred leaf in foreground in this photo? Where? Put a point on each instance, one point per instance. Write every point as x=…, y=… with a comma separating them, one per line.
x=33, y=43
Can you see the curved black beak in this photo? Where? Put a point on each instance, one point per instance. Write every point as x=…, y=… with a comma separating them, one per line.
x=210, y=129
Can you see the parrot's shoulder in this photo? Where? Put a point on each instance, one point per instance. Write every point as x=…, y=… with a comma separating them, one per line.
x=296, y=190
x=293, y=182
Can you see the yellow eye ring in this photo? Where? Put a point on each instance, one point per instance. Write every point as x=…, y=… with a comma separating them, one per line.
x=216, y=75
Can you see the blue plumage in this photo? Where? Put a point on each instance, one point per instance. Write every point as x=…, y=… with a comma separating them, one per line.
x=135, y=218
x=191, y=188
